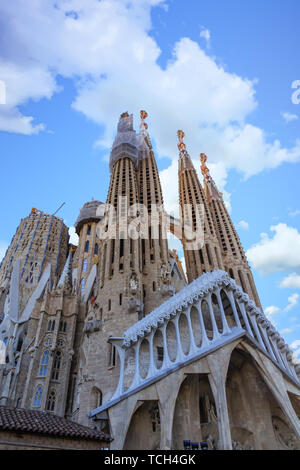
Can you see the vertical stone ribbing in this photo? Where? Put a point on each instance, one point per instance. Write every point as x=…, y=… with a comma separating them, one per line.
x=154, y=246
x=206, y=258
x=233, y=255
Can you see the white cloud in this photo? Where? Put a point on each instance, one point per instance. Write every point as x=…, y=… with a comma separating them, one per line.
x=271, y=310
x=288, y=117
x=293, y=301
x=286, y=331
x=84, y=41
x=270, y=255
x=292, y=281
x=243, y=224
x=205, y=33
x=73, y=236
x=294, y=213
x=295, y=345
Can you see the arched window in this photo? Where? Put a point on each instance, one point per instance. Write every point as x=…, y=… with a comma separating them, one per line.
x=111, y=355
x=89, y=230
x=51, y=325
x=56, y=365
x=62, y=326
x=44, y=363
x=87, y=245
x=51, y=401
x=38, y=396
x=96, y=398
x=84, y=265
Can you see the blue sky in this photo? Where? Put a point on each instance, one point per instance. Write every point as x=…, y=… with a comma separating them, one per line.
x=221, y=71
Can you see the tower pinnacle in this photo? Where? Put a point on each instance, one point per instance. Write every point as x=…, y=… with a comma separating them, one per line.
x=125, y=143
x=233, y=254
x=185, y=162
x=204, y=168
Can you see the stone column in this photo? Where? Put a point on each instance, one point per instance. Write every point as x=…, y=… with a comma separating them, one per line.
x=218, y=364
x=167, y=390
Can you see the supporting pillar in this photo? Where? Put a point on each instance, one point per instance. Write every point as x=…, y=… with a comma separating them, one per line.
x=166, y=360
x=193, y=347
x=218, y=364
x=212, y=317
x=180, y=354
x=152, y=367
x=233, y=306
x=167, y=391
x=226, y=329
x=242, y=309
x=204, y=338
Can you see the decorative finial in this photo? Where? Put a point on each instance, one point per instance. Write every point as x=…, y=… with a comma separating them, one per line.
x=144, y=115
x=204, y=168
x=181, y=145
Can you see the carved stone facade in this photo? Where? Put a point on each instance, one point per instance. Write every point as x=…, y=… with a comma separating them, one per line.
x=109, y=334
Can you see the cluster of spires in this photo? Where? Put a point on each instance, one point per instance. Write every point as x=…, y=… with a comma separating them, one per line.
x=181, y=145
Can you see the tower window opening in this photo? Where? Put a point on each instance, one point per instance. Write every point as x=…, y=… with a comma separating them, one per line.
x=51, y=325
x=44, y=363
x=38, y=396
x=87, y=245
x=62, y=326
x=51, y=401
x=242, y=281
x=208, y=255
x=109, y=305
x=84, y=265
x=111, y=356
x=56, y=365
x=120, y=299
x=89, y=230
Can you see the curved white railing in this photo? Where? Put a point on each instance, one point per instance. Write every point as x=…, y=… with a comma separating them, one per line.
x=224, y=312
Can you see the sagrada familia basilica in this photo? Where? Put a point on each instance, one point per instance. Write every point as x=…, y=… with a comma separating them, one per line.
x=112, y=337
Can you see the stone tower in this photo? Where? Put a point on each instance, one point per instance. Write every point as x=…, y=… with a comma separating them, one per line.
x=134, y=271
x=119, y=300
x=33, y=264
x=155, y=264
x=89, y=243
x=204, y=255
x=233, y=255
x=40, y=239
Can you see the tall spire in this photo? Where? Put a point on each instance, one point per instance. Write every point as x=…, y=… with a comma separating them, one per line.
x=185, y=161
x=154, y=248
x=210, y=188
x=125, y=143
x=233, y=254
x=191, y=197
